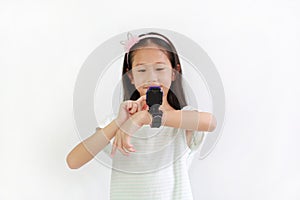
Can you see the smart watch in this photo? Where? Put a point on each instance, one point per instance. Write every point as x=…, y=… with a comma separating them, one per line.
x=154, y=100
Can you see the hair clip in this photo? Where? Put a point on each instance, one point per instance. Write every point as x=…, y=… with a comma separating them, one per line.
x=131, y=40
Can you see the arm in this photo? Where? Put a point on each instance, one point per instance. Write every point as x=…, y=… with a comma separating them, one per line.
x=87, y=149
x=184, y=119
x=189, y=120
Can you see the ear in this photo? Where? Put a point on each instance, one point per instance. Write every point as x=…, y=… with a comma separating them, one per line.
x=174, y=72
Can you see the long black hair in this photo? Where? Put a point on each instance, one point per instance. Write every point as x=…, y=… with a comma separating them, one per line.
x=175, y=96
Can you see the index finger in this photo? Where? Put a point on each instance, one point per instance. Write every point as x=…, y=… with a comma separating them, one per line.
x=113, y=151
x=142, y=98
x=140, y=102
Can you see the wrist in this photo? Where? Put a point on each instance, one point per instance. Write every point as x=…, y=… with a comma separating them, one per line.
x=143, y=118
x=156, y=116
x=119, y=122
x=130, y=126
x=164, y=117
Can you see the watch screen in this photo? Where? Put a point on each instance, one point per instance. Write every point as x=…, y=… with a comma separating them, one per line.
x=154, y=96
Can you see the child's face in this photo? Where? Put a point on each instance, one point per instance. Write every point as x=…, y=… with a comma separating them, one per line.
x=151, y=67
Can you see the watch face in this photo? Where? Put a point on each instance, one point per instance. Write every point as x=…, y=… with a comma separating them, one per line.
x=154, y=96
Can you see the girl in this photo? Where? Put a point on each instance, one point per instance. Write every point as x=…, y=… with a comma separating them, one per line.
x=151, y=163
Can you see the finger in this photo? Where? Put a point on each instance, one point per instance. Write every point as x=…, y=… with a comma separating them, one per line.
x=130, y=146
x=131, y=108
x=115, y=144
x=126, y=141
x=114, y=148
x=134, y=107
x=123, y=151
x=141, y=101
x=126, y=145
x=120, y=147
x=139, y=106
x=129, y=105
x=145, y=106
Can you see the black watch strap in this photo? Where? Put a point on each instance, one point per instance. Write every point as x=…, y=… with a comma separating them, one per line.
x=156, y=120
x=156, y=116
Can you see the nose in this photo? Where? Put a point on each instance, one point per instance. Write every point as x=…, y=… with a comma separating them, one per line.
x=152, y=76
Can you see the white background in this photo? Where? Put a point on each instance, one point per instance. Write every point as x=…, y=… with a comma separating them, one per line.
x=255, y=46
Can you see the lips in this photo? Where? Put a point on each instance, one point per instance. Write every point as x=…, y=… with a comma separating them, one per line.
x=152, y=86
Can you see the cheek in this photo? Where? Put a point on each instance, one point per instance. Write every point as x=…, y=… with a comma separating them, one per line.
x=139, y=80
x=165, y=79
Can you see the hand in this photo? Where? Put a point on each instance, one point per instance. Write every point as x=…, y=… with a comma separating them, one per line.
x=122, y=142
x=123, y=134
x=130, y=107
x=143, y=118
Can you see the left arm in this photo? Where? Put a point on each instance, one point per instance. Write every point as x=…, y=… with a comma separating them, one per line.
x=189, y=120
x=185, y=119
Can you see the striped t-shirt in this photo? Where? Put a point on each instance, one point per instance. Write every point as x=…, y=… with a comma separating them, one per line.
x=159, y=167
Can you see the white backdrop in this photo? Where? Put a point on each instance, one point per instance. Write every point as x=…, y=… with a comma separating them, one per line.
x=255, y=46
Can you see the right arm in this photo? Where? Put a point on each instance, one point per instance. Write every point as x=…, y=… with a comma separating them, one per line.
x=90, y=147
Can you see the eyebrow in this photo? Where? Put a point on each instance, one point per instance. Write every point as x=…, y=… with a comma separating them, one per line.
x=151, y=63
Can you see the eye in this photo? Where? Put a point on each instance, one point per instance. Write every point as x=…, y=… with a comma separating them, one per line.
x=141, y=70
x=159, y=69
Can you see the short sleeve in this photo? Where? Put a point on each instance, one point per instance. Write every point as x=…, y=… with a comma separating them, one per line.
x=197, y=139
x=101, y=124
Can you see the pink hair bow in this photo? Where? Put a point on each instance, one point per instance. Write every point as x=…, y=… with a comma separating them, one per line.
x=131, y=40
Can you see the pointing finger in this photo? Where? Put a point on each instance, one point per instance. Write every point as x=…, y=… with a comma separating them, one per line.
x=141, y=101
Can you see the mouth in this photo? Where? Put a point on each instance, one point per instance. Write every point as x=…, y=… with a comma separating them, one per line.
x=153, y=86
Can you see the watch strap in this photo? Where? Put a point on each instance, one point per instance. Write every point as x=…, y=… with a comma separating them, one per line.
x=156, y=118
